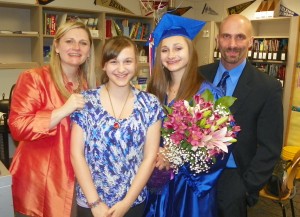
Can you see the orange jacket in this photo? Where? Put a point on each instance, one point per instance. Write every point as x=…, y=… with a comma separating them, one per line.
x=42, y=174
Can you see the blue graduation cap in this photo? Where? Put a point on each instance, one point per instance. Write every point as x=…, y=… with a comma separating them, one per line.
x=173, y=25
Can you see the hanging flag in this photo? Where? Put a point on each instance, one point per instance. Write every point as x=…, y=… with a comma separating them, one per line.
x=208, y=10
x=44, y=2
x=239, y=8
x=114, y=4
x=154, y=6
x=285, y=12
x=179, y=11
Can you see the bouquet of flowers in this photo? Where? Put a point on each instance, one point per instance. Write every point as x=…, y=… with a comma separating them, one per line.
x=195, y=132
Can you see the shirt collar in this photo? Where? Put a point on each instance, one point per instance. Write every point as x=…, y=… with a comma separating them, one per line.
x=234, y=73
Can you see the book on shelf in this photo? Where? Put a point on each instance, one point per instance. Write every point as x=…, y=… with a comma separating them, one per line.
x=90, y=22
x=139, y=32
x=50, y=24
x=53, y=21
x=113, y=29
x=133, y=29
x=26, y=32
x=46, y=53
x=146, y=31
x=95, y=25
x=62, y=18
x=125, y=27
x=6, y=32
x=108, y=24
x=138, y=24
x=117, y=27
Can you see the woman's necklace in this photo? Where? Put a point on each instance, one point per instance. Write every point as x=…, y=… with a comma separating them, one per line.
x=79, y=88
x=117, y=123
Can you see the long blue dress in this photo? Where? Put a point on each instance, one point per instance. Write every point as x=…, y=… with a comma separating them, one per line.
x=186, y=194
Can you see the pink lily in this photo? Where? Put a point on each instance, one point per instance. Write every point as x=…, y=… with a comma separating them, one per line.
x=218, y=139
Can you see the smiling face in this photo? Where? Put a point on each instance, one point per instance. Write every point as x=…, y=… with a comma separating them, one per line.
x=174, y=54
x=234, y=40
x=73, y=48
x=120, y=70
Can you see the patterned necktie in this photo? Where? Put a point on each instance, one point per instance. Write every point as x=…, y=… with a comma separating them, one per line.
x=222, y=82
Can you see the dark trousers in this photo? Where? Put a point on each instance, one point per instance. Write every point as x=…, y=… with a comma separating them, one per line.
x=231, y=195
x=136, y=211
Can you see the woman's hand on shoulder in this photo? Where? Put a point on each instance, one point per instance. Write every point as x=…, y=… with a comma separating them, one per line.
x=75, y=102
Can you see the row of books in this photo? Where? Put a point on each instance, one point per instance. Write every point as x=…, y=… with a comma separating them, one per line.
x=269, y=49
x=53, y=21
x=261, y=55
x=275, y=70
x=265, y=49
x=135, y=30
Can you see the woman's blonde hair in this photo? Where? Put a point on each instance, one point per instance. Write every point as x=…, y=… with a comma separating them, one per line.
x=112, y=49
x=161, y=77
x=86, y=70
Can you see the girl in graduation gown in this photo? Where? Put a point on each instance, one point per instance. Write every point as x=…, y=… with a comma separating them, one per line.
x=175, y=77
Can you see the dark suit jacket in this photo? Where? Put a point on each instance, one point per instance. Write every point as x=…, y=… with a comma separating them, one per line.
x=259, y=111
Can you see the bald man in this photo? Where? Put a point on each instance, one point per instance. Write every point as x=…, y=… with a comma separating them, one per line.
x=258, y=110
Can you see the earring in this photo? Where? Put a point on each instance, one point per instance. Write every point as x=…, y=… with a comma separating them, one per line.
x=57, y=54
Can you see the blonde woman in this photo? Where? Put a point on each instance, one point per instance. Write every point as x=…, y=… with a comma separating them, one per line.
x=43, y=99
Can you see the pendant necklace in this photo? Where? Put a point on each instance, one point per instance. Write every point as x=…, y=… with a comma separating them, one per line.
x=116, y=123
x=79, y=88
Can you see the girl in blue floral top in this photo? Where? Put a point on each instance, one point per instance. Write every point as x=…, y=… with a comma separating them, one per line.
x=115, y=138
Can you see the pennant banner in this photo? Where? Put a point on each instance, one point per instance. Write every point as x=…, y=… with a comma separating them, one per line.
x=239, y=8
x=180, y=11
x=285, y=12
x=208, y=10
x=112, y=4
x=44, y=2
x=148, y=7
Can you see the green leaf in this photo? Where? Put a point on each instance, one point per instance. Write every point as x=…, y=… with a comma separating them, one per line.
x=191, y=102
x=207, y=96
x=184, y=144
x=226, y=101
x=189, y=147
x=165, y=131
x=168, y=109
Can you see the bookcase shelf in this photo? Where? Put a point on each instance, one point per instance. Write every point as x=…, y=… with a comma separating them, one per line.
x=19, y=35
x=29, y=48
x=21, y=65
x=18, y=50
